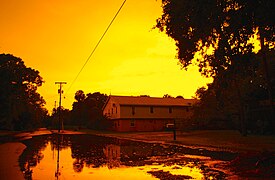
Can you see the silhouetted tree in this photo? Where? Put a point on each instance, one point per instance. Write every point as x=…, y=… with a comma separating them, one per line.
x=219, y=100
x=144, y=96
x=167, y=96
x=79, y=96
x=225, y=26
x=65, y=116
x=21, y=106
x=87, y=110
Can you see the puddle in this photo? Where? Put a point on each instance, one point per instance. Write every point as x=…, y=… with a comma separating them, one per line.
x=94, y=157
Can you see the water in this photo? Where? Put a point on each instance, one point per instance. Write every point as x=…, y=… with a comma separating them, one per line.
x=94, y=157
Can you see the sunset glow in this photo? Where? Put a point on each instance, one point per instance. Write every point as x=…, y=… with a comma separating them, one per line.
x=56, y=38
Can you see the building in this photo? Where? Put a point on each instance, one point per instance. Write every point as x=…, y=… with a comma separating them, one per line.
x=143, y=113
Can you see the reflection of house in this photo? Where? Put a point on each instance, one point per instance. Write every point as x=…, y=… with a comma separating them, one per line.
x=129, y=113
x=112, y=153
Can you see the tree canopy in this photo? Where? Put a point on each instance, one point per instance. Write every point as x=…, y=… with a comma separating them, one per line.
x=21, y=106
x=87, y=110
x=221, y=32
x=225, y=25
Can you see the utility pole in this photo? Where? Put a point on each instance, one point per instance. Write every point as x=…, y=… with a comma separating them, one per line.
x=60, y=92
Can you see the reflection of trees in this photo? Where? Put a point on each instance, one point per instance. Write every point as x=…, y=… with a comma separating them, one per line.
x=95, y=151
x=78, y=165
x=32, y=155
x=63, y=142
x=89, y=150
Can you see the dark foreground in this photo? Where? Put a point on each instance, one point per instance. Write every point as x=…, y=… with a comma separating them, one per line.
x=82, y=156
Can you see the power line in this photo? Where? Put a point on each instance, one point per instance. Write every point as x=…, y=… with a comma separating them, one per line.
x=95, y=47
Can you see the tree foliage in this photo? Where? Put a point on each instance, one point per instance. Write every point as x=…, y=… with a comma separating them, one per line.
x=21, y=106
x=222, y=100
x=225, y=25
x=87, y=110
x=226, y=28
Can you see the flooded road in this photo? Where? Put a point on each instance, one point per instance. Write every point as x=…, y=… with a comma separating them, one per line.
x=94, y=157
x=82, y=156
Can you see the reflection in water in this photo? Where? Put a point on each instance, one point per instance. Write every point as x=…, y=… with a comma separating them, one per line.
x=87, y=156
x=57, y=173
x=112, y=153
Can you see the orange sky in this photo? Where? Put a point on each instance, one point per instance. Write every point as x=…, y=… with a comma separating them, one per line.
x=56, y=38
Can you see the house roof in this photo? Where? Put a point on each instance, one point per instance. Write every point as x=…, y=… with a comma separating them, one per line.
x=150, y=101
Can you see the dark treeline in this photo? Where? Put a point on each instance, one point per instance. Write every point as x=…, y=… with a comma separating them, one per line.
x=243, y=87
x=235, y=101
x=21, y=106
x=86, y=112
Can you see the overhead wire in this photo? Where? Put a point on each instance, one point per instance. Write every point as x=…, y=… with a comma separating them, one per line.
x=96, y=46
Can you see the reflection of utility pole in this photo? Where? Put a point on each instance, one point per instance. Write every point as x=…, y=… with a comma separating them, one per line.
x=60, y=91
x=57, y=173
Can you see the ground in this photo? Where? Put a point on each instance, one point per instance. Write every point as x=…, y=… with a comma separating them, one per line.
x=255, y=153
x=220, y=140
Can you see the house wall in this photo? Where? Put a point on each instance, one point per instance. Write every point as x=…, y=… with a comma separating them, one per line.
x=145, y=118
x=112, y=110
x=157, y=112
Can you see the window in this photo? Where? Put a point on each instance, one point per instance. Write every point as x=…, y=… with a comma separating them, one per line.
x=151, y=109
x=187, y=109
x=118, y=123
x=132, y=123
x=133, y=110
x=170, y=110
x=112, y=111
x=116, y=110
